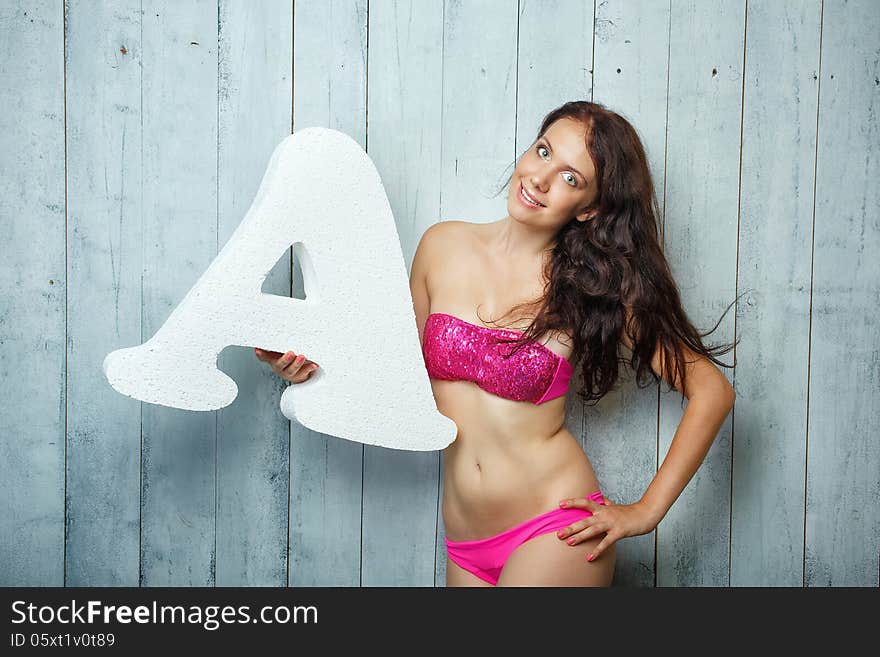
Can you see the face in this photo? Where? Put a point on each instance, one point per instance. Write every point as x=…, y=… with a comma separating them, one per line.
x=558, y=173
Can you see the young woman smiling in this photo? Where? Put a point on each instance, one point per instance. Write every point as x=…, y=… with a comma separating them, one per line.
x=577, y=266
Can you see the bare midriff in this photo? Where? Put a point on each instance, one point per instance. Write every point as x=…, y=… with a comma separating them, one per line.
x=511, y=461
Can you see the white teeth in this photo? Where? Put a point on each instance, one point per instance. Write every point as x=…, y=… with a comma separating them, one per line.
x=529, y=198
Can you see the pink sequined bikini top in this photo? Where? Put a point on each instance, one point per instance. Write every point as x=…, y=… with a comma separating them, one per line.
x=456, y=350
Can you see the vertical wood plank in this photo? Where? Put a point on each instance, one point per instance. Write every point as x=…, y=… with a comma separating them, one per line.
x=253, y=476
x=700, y=236
x=329, y=90
x=163, y=157
x=33, y=289
x=478, y=130
x=776, y=208
x=542, y=84
x=104, y=137
x=843, y=479
x=479, y=52
x=179, y=242
x=630, y=73
x=401, y=489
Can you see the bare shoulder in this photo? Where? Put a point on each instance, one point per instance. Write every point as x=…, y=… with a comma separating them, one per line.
x=452, y=229
x=441, y=243
x=440, y=238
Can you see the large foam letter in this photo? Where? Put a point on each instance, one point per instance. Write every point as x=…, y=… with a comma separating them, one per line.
x=322, y=194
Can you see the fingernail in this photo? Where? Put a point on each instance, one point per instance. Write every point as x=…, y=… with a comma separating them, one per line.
x=563, y=503
x=570, y=541
x=560, y=533
x=590, y=557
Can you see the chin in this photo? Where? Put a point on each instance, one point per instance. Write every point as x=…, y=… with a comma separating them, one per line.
x=517, y=211
x=522, y=215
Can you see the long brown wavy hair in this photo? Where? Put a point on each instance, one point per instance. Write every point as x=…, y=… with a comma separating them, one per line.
x=600, y=267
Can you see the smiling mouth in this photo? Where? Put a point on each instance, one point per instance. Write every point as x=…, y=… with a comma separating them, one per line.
x=525, y=195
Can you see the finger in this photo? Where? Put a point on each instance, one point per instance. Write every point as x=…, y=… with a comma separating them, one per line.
x=278, y=364
x=305, y=372
x=304, y=363
x=580, y=531
x=603, y=544
x=576, y=526
x=578, y=503
x=284, y=360
x=265, y=355
x=298, y=374
x=294, y=365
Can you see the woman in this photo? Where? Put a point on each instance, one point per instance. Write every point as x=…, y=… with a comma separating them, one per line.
x=578, y=256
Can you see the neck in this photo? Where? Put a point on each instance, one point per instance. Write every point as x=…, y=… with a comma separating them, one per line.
x=516, y=241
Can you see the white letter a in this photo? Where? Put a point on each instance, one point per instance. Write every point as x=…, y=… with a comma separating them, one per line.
x=322, y=194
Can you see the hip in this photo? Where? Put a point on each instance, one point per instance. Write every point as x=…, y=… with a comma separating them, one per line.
x=487, y=490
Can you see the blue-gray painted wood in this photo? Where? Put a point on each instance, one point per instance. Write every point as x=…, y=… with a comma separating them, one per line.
x=104, y=216
x=630, y=72
x=478, y=130
x=842, y=534
x=699, y=238
x=171, y=114
x=776, y=210
x=622, y=450
x=179, y=462
x=253, y=436
x=326, y=493
x=401, y=489
x=479, y=52
x=33, y=291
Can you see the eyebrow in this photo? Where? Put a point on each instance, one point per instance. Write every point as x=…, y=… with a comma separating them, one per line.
x=583, y=177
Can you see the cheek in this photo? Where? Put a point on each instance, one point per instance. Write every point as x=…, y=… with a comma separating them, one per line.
x=562, y=199
x=528, y=162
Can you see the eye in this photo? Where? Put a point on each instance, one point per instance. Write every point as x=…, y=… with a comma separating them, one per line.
x=572, y=180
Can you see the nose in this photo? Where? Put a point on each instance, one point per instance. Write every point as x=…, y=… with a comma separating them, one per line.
x=538, y=178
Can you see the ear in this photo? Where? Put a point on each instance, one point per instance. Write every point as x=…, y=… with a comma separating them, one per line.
x=586, y=216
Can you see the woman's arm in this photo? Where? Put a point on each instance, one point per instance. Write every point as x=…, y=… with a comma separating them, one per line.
x=418, y=276
x=710, y=398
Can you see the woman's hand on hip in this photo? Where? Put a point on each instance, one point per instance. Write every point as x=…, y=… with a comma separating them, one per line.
x=616, y=521
x=288, y=366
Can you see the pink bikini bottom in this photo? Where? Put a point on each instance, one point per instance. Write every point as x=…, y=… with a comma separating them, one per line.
x=485, y=557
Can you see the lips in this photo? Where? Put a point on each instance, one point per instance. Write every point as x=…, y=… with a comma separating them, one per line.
x=528, y=197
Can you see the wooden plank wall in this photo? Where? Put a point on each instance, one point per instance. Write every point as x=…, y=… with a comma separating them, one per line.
x=135, y=136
